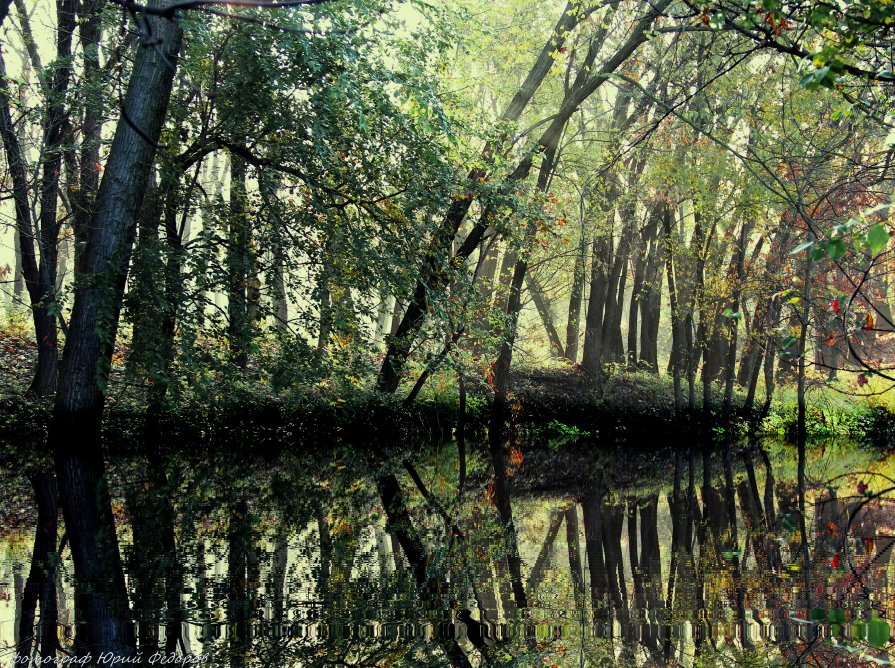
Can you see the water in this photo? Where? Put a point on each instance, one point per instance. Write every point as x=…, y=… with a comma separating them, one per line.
x=627, y=559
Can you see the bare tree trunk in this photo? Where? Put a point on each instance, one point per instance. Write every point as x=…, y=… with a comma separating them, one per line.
x=593, y=324
x=573, y=321
x=544, y=311
x=238, y=264
x=677, y=347
x=651, y=299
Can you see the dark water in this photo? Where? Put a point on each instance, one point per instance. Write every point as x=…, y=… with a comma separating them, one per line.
x=628, y=558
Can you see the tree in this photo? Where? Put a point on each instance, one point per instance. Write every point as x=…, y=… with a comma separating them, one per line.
x=78, y=407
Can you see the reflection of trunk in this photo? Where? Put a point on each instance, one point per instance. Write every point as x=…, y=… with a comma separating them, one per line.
x=399, y=522
x=733, y=546
x=678, y=532
x=651, y=571
x=201, y=595
x=239, y=613
x=694, y=519
x=572, y=541
x=144, y=571
x=593, y=542
x=41, y=583
x=612, y=517
x=639, y=602
x=18, y=588
x=326, y=557
x=541, y=563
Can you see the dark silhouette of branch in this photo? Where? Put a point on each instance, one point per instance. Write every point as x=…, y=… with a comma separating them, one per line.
x=169, y=11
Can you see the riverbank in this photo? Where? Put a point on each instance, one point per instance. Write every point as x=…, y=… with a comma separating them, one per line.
x=550, y=406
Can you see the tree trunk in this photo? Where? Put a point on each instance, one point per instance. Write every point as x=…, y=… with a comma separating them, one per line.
x=651, y=300
x=573, y=322
x=678, y=363
x=102, y=597
x=546, y=314
x=596, y=302
x=238, y=264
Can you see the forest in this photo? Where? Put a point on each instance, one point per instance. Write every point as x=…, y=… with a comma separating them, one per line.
x=320, y=319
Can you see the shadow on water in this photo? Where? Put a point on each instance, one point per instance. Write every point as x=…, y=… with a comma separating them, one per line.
x=685, y=557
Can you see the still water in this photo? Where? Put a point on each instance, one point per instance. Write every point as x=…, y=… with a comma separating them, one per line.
x=629, y=556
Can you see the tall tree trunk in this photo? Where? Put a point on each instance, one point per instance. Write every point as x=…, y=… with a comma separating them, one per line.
x=651, y=300
x=101, y=595
x=543, y=307
x=734, y=322
x=596, y=302
x=238, y=264
x=678, y=362
x=636, y=297
x=573, y=321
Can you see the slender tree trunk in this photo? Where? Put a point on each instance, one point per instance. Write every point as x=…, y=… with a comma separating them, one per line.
x=546, y=314
x=593, y=326
x=238, y=264
x=801, y=427
x=733, y=326
x=677, y=334
x=574, y=317
x=651, y=299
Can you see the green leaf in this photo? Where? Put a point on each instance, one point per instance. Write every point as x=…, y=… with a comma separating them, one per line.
x=802, y=246
x=819, y=252
x=789, y=342
x=877, y=238
x=836, y=248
